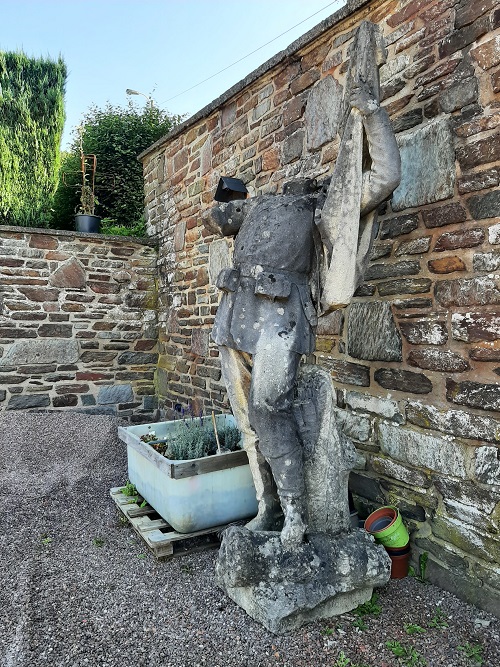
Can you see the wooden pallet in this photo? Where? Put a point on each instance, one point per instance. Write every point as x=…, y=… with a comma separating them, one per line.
x=164, y=542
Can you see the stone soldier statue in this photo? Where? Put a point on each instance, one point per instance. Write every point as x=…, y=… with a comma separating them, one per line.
x=266, y=318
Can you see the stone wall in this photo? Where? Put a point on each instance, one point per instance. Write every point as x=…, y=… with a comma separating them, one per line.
x=78, y=325
x=416, y=357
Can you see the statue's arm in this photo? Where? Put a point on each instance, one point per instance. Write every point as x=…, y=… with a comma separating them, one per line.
x=385, y=171
x=225, y=219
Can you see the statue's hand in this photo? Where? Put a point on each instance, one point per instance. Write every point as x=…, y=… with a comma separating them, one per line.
x=363, y=99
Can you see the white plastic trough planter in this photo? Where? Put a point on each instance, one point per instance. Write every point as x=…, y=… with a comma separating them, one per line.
x=190, y=495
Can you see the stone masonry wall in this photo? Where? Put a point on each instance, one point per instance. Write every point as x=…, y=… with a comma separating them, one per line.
x=78, y=325
x=416, y=357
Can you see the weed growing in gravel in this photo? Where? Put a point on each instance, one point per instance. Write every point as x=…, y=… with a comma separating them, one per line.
x=407, y=656
x=360, y=624
x=141, y=555
x=46, y=539
x=328, y=631
x=129, y=489
x=413, y=629
x=98, y=542
x=370, y=607
x=122, y=520
x=473, y=652
x=438, y=620
x=344, y=661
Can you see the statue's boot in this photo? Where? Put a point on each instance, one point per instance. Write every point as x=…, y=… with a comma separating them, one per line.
x=269, y=515
x=295, y=526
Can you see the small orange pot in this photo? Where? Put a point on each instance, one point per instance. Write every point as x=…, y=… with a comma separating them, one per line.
x=400, y=566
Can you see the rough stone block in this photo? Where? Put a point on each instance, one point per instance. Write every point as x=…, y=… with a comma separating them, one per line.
x=55, y=330
x=474, y=394
x=464, y=36
x=467, y=292
x=406, y=474
x=137, y=358
x=424, y=332
x=405, y=286
x=428, y=166
x=454, y=422
x=71, y=274
x=459, y=95
x=475, y=327
x=487, y=54
x=119, y=393
x=414, y=247
x=200, y=342
x=292, y=147
x=406, y=381
x=346, y=372
x=41, y=352
x=423, y=451
x=446, y=265
x=433, y=359
x=479, y=152
x=372, y=333
x=404, y=268
x=353, y=426
x=219, y=258
x=486, y=261
x=28, y=402
x=366, y=486
x=382, y=407
x=394, y=227
x=467, y=238
x=322, y=112
x=485, y=206
x=236, y=132
x=479, y=181
x=449, y=214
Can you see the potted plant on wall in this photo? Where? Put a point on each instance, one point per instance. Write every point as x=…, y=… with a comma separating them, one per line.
x=85, y=220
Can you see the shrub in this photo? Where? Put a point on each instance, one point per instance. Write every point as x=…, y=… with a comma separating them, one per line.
x=31, y=125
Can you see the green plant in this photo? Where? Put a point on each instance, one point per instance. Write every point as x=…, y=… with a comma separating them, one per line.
x=194, y=438
x=473, y=652
x=115, y=135
x=31, y=125
x=98, y=542
x=407, y=656
x=327, y=631
x=46, y=539
x=129, y=489
x=438, y=620
x=413, y=629
x=360, y=624
x=422, y=561
x=371, y=607
x=111, y=228
x=342, y=660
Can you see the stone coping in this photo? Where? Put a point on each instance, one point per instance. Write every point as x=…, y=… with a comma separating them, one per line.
x=68, y=233
x=349, y=8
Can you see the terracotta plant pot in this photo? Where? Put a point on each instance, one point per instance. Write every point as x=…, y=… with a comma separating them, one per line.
x=400, y=565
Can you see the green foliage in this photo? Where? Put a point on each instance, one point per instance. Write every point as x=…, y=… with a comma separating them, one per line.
x=31, y=125
x=407, y=656
x=129, y=489
x=109, y=226
x=98, y=542
x=370, y=607
x=438, y=620
x=196, y=439
x=473, y=652
x=413, y=629
x=116, y=135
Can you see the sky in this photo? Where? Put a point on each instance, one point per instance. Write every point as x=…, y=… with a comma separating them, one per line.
x=160, y=48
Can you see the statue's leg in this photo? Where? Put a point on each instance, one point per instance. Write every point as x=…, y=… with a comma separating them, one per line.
x=236, y=373
x=271, y=415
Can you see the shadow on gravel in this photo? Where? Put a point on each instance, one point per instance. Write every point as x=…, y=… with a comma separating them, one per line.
x=78, y=588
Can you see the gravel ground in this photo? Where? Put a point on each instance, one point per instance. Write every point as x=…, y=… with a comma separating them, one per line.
x=78, y=588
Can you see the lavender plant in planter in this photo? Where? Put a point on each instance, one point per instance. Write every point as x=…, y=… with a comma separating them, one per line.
x=193, y=493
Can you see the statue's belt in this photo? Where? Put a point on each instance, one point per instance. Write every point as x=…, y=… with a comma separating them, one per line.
x=268, y=282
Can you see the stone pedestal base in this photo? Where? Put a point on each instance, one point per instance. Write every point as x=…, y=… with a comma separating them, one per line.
x=329, y=575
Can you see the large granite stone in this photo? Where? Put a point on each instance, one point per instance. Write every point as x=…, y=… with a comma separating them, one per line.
x=427, y=166
x=120, y=393
x=63, y=351
x=322, y=112
x=372, y=333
